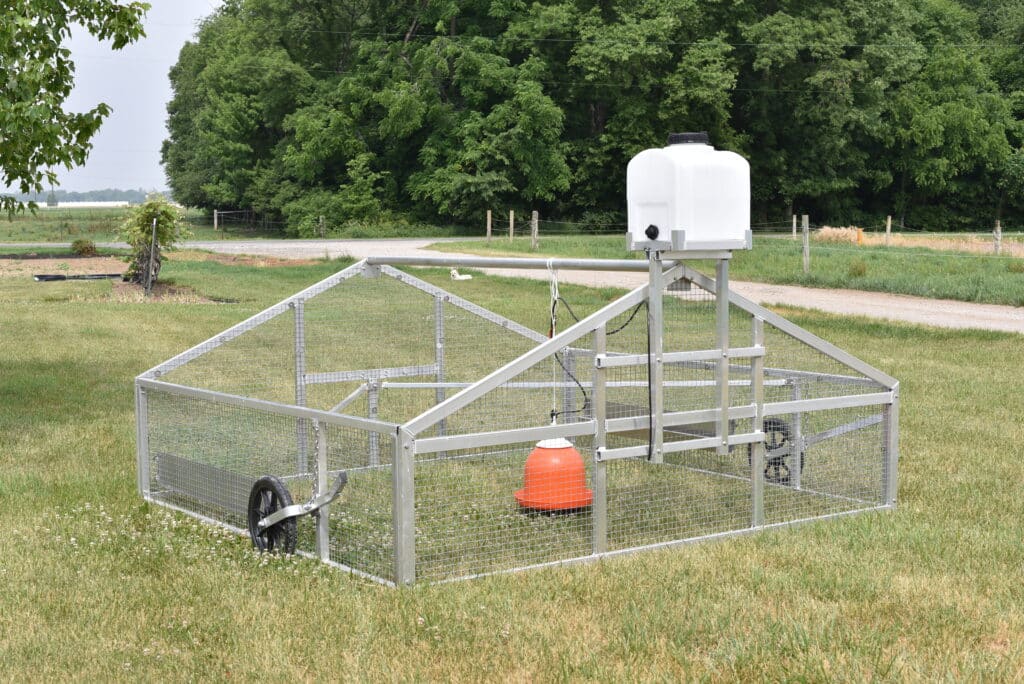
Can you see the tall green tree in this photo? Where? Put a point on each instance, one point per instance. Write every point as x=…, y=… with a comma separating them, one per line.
x=36, y=133
x=441, y=109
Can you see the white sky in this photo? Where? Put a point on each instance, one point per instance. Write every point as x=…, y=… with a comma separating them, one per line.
x=133, y=81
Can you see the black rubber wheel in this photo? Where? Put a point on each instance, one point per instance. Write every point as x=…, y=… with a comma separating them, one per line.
x=268, y=495
x=777, y=435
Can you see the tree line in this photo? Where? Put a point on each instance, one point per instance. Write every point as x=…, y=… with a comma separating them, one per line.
x=436, y=110
x=137, y=196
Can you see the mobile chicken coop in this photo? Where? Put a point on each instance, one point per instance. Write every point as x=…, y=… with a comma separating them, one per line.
x=678, y=412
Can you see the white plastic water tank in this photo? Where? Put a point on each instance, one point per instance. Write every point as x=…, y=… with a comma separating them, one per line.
x=688, y=196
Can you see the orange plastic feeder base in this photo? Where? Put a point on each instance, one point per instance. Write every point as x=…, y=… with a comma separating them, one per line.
x=555, y=478
x=561, y=504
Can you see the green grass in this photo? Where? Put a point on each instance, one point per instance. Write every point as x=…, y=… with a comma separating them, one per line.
x=900, y=270
x=97, y=585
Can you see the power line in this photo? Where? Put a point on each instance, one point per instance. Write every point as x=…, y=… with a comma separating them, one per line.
x=419, y=36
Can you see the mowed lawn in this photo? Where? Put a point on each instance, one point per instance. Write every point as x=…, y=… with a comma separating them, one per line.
x=97, y=585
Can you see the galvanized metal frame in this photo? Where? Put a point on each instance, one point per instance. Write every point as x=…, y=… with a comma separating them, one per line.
x=656, y=361
x=408, y=444
x=599, y=477
x=757, y=450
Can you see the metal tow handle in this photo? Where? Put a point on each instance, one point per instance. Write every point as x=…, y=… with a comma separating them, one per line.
x=310, y=507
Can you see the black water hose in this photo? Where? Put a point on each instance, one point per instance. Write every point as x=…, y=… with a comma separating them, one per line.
x=52, y=277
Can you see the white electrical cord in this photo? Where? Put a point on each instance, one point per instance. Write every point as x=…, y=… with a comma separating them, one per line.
x=553, y=274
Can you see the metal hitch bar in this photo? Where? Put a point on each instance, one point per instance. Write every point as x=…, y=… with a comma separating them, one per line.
x=311, y=507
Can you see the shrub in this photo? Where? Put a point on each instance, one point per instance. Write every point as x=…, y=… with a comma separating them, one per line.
x=828, y=234
x=83, y=247
x=137, y=231
x=858, y=268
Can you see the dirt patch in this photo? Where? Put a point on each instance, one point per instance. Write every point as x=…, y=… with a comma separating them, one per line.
x=45, y=255
x=69, y=266
x=130, y=293
x=236, y=259
x=120, y=291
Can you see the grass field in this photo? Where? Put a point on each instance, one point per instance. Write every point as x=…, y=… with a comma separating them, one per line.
x=97, y=585
x=920, y=271
x=104, y=225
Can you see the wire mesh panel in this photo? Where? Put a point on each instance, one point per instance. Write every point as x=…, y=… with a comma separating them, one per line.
x=361, y=534
x=259, y=363
x=652, y=503
x=794, y=370
x=205, y=455
x=469, y=521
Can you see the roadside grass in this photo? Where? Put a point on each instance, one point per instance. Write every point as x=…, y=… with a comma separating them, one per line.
x=96, y=584
x=103, y=224
x=916, y=271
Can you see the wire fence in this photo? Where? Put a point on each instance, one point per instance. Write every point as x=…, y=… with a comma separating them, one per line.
x=907, y=241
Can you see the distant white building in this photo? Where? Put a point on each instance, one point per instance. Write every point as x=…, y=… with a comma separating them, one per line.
x=87, y=205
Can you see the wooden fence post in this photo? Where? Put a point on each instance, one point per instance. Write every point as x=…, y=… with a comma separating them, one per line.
x=488, y=226
x=807, y=243
x=794, y=226
x=215, y=220
x=321, y=222
x=888, y=230
x=997, y=238
x=511, y=224
x=534, y=231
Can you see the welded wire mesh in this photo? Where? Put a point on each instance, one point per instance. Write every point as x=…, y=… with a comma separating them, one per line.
x=354, y=328
x=807, y=373
x=360, y=518
x=205, y=455
x=258, y=363
x=553, y=390
x=468, y=520
x=652, y=503
x=834, y=465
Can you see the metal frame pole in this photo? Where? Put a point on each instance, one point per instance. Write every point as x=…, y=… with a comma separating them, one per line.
x=152, y=257
x=373, y=409
x=757, y=448
x=439, y=393
x=301, y=424
x=891, y=434
x=796, y=456
x=403, y=508
x=599, y=475
x=656, y=328
x=722, y=340
x=323, y=533
x=142, y=439
x=629, y=265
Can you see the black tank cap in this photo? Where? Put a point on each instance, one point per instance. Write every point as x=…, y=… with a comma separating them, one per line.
x=686, y=138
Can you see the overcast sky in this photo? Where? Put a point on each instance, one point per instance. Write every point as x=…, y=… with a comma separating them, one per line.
x=133, y=81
